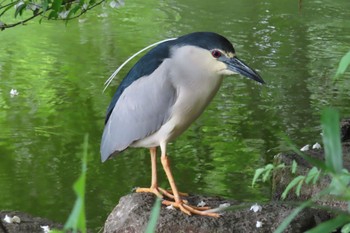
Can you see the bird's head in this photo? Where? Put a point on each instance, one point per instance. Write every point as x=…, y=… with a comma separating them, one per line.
x=213, y=53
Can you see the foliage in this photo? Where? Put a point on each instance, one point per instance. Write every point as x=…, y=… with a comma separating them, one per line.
x=311, y=177
x=298, y=181
x=48, y=9
x=340, y=177
x=266, y=172
x=332, y=167
x=331, y=140
x=77, y=221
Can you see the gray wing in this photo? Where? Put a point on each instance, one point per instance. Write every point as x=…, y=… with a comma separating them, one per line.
x=141, y=110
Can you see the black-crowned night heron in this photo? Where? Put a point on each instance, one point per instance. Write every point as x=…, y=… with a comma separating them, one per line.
x=164, y=92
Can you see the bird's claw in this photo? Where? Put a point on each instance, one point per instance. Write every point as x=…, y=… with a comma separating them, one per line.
x=189, y=210
x=160, y=192
x=170, y=192
x=170, y=195
x=153, y=190
x=182, y=204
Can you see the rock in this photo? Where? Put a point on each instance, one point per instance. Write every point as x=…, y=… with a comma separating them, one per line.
x=132, y=214
x=27, y=223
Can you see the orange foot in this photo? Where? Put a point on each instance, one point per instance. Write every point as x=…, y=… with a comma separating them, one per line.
x=160, y=192
x=153, y=190
x=189, y=210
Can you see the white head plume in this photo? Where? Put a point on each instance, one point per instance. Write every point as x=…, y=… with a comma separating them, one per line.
x=109, y=80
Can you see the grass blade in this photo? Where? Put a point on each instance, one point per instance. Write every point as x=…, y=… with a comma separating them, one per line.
x=343, y=65
x=330, y=225
x=152, y=224
x=76, y=220
x=331, y=140
x=290, y=218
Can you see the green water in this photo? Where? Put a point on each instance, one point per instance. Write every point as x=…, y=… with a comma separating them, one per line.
x=59, y=73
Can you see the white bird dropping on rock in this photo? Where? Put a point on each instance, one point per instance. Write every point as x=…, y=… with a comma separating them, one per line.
x=316, y=146
x=201, y=204
x=170, y=207
x=46, y=229
x=224, y=205
x=16, y=219
x=305, y=148
x=256, y=207
x=258, y=224
x=7, y=219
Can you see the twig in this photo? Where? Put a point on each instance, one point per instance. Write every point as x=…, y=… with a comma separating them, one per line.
x=7, y=6
x=4, y=26
x=11, y=3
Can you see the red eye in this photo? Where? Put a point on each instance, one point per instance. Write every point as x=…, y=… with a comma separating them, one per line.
x=216, y=53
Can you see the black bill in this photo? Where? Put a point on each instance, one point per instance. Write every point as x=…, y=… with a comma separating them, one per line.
x=238, y=66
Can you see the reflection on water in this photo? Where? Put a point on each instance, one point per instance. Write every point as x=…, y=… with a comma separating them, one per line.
x=59, y=72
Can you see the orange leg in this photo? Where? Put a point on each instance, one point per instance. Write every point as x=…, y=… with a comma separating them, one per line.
x=154, y=183
x=179, y=203
x=159, y=192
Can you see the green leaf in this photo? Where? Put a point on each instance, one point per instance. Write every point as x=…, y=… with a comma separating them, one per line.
x=152, y=224
x=339, y=184
x=290, y=218
x=19, y=9
x=265, y=172
x=346, y=228
x=316, y=177
x=331, y=140
x=298, y=188
x=311, y=174
x=343, y=65
x=268, y=169
x=77, y=220
x=45, y=5
x=73, y=11
x=293, y=183
x=56, y=5
x=81, y=3
x=53, y=15
x=330, y=225
x=294, y=166
x=257, y=174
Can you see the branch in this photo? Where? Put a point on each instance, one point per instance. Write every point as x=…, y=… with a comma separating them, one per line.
x=4, y=26
x=8, y=6
x=11, y=3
